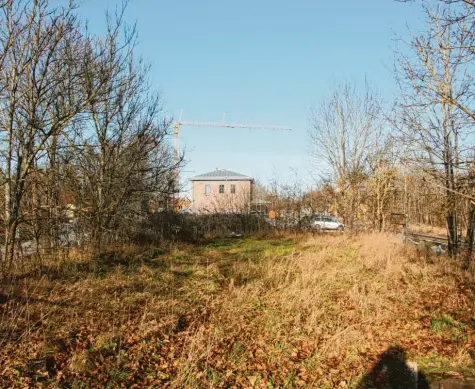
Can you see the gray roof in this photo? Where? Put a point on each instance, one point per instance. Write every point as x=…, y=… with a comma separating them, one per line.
x=221, y=175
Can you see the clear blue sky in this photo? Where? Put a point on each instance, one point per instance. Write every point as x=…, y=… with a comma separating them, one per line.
x=262, y=62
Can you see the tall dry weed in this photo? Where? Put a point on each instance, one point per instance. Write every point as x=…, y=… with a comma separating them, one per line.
x=330, y=303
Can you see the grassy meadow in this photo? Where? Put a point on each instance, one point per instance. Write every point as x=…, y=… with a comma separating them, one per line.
x=282, y=311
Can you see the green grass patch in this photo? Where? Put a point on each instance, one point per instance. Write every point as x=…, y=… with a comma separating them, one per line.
x=449, y=328
x=437, y=365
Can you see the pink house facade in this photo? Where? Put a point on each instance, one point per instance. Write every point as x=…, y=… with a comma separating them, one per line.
x=221, y=191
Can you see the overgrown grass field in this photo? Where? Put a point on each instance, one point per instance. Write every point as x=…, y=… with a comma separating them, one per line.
x=264, y=312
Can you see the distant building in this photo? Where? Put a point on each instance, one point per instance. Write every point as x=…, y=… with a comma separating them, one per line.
x=181, y=204
x=221, y=191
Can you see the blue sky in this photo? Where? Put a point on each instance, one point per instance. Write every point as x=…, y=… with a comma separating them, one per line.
x=261, y=62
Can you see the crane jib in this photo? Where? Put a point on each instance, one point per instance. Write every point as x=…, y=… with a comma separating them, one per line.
x=231, y=125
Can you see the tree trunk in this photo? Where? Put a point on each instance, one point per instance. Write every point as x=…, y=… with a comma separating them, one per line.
x=10, y=240
x=471, y=231
x=451, y=225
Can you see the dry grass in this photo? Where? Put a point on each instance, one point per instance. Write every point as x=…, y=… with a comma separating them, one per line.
x=427, y=229
x=321, y=314
x=257, y=312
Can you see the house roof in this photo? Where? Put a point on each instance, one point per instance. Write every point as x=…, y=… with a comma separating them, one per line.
x=221, y=175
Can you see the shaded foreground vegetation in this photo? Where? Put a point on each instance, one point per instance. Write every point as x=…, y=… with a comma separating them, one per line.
x=271, y=312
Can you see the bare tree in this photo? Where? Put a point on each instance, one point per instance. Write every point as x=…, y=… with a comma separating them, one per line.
x=125, y=159
x=39, y=94
x=80, y=126
x=383, y=174
x=343, y=132
x=435, y=85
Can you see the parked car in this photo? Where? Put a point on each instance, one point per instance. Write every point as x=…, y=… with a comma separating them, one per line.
x=325, y=223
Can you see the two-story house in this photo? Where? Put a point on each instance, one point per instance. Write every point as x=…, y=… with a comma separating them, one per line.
x=221, y=191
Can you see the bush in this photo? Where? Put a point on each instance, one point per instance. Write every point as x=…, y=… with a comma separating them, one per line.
x=170, y=226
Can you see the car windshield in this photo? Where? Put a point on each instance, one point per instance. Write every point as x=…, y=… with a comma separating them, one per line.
x=327, y=219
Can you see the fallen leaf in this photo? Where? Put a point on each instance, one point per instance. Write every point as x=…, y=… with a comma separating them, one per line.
x=252, y=379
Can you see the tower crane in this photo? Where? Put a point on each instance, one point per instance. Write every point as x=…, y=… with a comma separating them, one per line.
x=222, y=124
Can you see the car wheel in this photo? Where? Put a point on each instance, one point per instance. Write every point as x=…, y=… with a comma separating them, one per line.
x=340, y=228
x=318, y=227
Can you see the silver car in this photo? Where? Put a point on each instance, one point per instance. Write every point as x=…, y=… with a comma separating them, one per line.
x=326, y=223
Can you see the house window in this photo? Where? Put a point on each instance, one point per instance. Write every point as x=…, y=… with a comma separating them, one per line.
x=233, y=188
x=207, y=189
x=221, y=189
